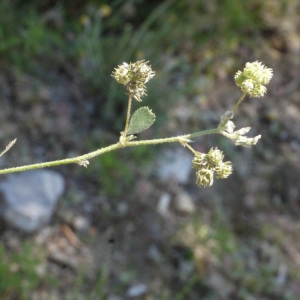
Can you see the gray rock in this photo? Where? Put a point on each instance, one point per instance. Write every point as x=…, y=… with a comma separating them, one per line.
x=113, y=297
x=163, y=205
x=81, y=224
x=184, y=203
x=136, y=290
x=175, y=165
x=221, y=286
x=28, y=199
x=155, y=254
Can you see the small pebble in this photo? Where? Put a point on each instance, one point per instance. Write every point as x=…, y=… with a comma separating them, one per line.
x=184, y=203
x=163, y=205
x=136, y=290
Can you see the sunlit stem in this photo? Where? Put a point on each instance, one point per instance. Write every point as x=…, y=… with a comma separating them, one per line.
x=203, y=132
x=191, y=149
x=239, y=102
x=119, y=145
x=127, y=116
x=11, y=143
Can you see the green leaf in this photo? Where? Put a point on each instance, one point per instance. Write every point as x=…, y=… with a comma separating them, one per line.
x=141, y=120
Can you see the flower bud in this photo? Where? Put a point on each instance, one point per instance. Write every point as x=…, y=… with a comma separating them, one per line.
x=223, y=170
x=214, y=156
x=199, y=161
x=134, y=76
x=253, y=78
x=204, y=177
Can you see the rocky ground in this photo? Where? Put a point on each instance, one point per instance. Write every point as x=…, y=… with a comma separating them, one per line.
x=127, y=229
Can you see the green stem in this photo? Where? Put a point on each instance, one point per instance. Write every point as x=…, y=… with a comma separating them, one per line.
x=127, y=116
x=10, y=144
x=239, y=102
x=65, y=161
x=86, y=157
x=191, y=149
x=203, y=132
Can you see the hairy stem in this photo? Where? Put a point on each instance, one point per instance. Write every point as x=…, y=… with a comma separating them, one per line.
x=127, y=116
x=239, y=102
x=86, y=157
x=191, y=149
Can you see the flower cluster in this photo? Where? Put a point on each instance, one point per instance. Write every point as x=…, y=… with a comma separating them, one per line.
x=238, y=137
x=134, y=76
x=207, y=165
x=253, y=78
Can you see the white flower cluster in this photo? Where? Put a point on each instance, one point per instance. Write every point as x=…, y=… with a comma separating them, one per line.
x=238, y=137
x=207, y=165
x=253, y=78
x=134, y=76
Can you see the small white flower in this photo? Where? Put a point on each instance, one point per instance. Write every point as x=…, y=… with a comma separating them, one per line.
x=239, y=139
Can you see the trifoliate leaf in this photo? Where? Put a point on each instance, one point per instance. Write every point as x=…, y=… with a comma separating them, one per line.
x=141, y=120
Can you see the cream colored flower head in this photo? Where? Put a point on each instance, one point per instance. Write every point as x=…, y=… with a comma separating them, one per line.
x=210, y=164
x=134, y=76
x=253, y=78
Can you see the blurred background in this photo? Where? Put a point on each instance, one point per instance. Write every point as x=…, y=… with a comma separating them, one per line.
x=134, y=225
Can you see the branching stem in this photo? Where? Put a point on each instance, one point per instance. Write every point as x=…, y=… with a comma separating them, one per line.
x=86, y=157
